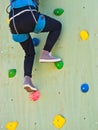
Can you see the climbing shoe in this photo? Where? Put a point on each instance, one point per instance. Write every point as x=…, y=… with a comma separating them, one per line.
x=28, y=86
x=47, y=57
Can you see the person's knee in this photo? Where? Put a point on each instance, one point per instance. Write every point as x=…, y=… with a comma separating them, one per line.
x=28, y=47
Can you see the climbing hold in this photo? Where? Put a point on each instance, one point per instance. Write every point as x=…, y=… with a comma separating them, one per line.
x=36, y=41
x=58, y=11
x=59, y=65
x=84, y=87
x=35, y=95
x=11, y=73
x=11, y=125
x=59, y=121
x=84, y=35
x=8, y=20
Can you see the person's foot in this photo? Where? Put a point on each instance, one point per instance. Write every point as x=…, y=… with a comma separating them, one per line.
x=28, y=86
x=47, y=57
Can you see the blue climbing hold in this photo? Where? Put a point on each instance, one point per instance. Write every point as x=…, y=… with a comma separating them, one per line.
x=36, y=41
x=84, y=87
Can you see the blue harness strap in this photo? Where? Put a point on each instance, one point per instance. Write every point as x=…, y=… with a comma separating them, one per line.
x=40, y=24
x=20, y=37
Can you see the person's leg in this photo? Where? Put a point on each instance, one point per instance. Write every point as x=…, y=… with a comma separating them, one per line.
x=54, y=28
x=20, y=28
x=28, y=63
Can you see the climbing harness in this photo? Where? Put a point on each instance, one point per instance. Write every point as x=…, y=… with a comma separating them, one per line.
x=39, y=26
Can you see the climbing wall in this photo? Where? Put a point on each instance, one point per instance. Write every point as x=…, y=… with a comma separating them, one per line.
x=69, y=94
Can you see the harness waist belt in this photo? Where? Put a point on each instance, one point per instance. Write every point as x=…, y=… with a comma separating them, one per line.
x=21, y=13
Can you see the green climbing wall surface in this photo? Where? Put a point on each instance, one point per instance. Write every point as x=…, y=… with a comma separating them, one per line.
x=60, y=89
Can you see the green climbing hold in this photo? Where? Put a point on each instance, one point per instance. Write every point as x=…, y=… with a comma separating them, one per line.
x=11, y=73
x=58, y=11
x=59, y=65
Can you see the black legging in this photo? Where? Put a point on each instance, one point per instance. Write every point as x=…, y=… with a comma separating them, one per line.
x=25, y=24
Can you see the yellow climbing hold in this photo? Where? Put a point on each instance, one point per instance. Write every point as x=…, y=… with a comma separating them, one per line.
x=11, y=125
x=8, y=20
x=84, y=35
x=59, y=121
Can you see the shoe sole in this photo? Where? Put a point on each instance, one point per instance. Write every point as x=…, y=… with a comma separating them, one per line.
x=29, y=88
x=47, y=60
